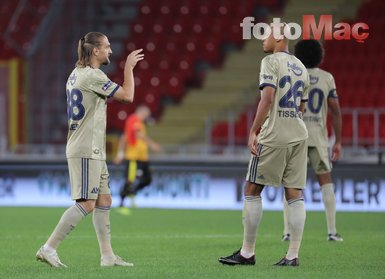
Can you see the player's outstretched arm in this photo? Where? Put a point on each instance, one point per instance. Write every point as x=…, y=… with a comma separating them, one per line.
x=335, y=111
x=154, y=146
x=125, y=93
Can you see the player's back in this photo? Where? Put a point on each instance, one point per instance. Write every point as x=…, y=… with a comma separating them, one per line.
x=289, y=77
x=322, y=87
x=86, y=114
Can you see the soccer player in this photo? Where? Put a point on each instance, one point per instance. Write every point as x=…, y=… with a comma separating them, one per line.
x=279, y=152
x=133, y=145
x=87, y=91
x=322, y=95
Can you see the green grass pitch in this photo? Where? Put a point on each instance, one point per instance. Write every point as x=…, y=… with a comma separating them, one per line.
x=187, y=244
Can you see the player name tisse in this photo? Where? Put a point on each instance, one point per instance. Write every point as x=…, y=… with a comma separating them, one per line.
x=289, y=114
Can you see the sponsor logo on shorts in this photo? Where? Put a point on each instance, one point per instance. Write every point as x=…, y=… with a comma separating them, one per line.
x=95, y=190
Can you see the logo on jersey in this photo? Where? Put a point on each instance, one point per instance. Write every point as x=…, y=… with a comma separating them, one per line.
x=313, y=79
x=107, y=85
x=72, y=79
x=267, y=77
x=294, y=68
x=73, y=127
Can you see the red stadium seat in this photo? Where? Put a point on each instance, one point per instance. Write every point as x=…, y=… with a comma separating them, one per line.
x=359, y=72
x=176, y=35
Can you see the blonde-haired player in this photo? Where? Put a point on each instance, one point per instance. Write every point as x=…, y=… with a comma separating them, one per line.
x=87, y=91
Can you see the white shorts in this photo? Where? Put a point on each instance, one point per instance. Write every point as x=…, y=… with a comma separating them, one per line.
x=279, y=166
x=319, y=160
x=88, y=178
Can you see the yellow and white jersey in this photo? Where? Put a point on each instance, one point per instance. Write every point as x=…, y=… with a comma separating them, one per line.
x=87, y=91
x=284, y=125
x=322, y=87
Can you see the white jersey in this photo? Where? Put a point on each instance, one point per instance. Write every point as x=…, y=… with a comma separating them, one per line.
x=87, y=91
x=322, y=87
x=284, y=125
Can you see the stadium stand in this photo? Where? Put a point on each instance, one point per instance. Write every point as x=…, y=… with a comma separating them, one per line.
x=19, y=21
x=358, y=70
x=177, y=49
x=197, y=35
x=199, y=77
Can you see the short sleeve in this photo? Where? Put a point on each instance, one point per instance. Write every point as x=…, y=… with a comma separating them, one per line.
x=269, y=73
x=101, y=84
x=332, y=88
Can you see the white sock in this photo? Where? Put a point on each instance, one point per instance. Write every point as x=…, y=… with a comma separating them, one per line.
x=296, y=216
x=285, y=217
x=252, y=215
x=101, y=221
x=329, y=201
x=70, y=218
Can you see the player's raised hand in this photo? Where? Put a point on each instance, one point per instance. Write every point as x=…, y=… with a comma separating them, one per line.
x=134, y=57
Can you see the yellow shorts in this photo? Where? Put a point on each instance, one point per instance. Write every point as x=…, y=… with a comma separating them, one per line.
x=279, y=166
x=88, y=178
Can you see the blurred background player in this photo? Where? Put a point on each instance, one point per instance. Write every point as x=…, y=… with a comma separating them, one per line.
x=279, y=151
x=133, y=148
x=87, y=91
x=322, y=96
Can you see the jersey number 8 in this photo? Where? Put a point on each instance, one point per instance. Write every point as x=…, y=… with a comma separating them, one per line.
x=75, y=109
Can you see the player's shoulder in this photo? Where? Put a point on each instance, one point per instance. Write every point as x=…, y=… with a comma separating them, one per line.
x=325, y=74
x=84, y=72
x=95, y=73
x=273, y=57
x=90, y=74
x=270, y=60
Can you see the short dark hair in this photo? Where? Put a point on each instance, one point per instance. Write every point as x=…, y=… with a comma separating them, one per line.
x=310, y=52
